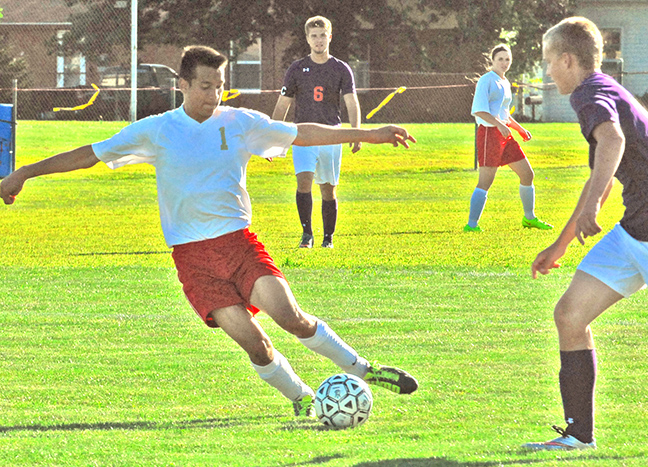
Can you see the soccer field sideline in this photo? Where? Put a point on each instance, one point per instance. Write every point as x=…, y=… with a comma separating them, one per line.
x=105, y=363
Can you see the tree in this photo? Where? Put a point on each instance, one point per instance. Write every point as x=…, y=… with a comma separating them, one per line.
x=392, y=35
x=11, y=68
x=354, y=25
x=101, y=27
x=482, y=24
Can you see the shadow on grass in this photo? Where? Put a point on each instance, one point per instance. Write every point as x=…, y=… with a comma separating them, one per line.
x=441, y=462
x=316, y=460
x=124, y=253
x=109, y=426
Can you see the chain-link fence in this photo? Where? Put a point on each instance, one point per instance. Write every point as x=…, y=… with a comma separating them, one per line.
x=55, y=69
x=59, y=73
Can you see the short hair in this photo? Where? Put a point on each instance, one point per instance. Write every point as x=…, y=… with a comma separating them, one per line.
x=195, y=55
x=318, y=22
x=577, y=36
x=499, y=48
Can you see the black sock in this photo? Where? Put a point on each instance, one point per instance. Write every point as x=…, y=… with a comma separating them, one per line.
x=329, y=218
x=305, y=210
x=577, y=382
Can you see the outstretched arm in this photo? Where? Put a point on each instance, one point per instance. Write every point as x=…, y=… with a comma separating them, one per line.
x=315, y=134
x=79, y=158
x=582, y=223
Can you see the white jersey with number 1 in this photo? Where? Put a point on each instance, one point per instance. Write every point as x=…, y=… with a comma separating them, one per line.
x=200, y=167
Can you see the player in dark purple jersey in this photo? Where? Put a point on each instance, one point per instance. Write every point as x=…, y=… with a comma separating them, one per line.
x=616, y=127
x=315, y=84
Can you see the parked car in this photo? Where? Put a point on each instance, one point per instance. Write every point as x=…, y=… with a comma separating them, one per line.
x=156, y=91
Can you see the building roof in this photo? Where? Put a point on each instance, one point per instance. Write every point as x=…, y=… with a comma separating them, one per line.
x=38, y=11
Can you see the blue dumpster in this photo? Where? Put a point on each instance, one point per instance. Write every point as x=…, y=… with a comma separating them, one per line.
x=7, y=140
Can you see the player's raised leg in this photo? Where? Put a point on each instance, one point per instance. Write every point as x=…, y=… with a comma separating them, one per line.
x=273, y=295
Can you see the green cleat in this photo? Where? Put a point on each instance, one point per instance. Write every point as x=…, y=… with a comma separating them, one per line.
x=304, y=407
x=535, y=223
x=468, y=228
x=394, y=379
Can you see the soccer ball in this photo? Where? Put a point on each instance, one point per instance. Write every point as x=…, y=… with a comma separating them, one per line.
x=343, y=401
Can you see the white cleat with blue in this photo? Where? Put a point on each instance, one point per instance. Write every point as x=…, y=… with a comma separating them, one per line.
x=564, y=442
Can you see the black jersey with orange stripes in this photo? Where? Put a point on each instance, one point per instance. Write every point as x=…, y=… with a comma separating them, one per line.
x=317, y=88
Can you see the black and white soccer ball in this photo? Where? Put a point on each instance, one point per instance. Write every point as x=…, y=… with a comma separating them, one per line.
x=343, y=401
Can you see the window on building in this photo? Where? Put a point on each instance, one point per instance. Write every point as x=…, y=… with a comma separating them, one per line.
x=245, y=70
x=70, y=71
x=611, y=43
x=612, y=60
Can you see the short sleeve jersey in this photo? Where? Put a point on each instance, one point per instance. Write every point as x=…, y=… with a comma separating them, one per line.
x=200, y=168
x=492, y=95
x=317, y=89
x=599, y=99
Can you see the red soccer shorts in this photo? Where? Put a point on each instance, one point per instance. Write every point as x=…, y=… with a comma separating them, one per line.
x=221, y=272
x=493, y=150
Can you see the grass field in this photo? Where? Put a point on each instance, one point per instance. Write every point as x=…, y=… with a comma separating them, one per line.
x=103, y=362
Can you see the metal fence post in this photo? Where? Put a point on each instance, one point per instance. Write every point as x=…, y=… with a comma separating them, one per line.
x=14, y=85
x=15, y=123
x=173, y=93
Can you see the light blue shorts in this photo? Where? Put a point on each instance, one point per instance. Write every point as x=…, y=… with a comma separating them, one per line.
x=324, y=161
x=619, y=261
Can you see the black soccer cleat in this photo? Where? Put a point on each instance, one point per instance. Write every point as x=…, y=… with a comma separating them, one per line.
x=306, y=241
x=394, y=379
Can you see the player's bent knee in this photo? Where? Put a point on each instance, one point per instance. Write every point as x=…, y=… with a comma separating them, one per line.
x=301, y=327
x=567, y=316
x=261, y=354
x=526, y=181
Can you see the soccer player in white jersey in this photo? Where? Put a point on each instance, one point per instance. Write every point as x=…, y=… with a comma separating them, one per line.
x=495, y=144
x=200, y=153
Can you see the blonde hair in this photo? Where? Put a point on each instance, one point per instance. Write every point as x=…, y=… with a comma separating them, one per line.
x=579, y=37
x=318, y=22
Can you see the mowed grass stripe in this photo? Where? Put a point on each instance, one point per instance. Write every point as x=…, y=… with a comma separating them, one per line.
x=104, y=363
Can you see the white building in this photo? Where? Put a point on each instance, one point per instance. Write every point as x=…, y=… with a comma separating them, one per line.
x=624, y=25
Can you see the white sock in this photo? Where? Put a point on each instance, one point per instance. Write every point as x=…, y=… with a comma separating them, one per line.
x=527, y=195
x=327, y=343
x=280, y=375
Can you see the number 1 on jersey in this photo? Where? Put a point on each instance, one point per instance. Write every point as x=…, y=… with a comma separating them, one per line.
x=223, y=139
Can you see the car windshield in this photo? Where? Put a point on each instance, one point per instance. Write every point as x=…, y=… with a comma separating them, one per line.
x=121, y=78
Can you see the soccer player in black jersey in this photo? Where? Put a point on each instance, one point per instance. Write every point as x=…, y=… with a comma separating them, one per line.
x=315, y=84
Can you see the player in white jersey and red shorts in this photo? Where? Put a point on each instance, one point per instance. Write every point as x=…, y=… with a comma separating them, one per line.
x=200, y=153
x=496, y=146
